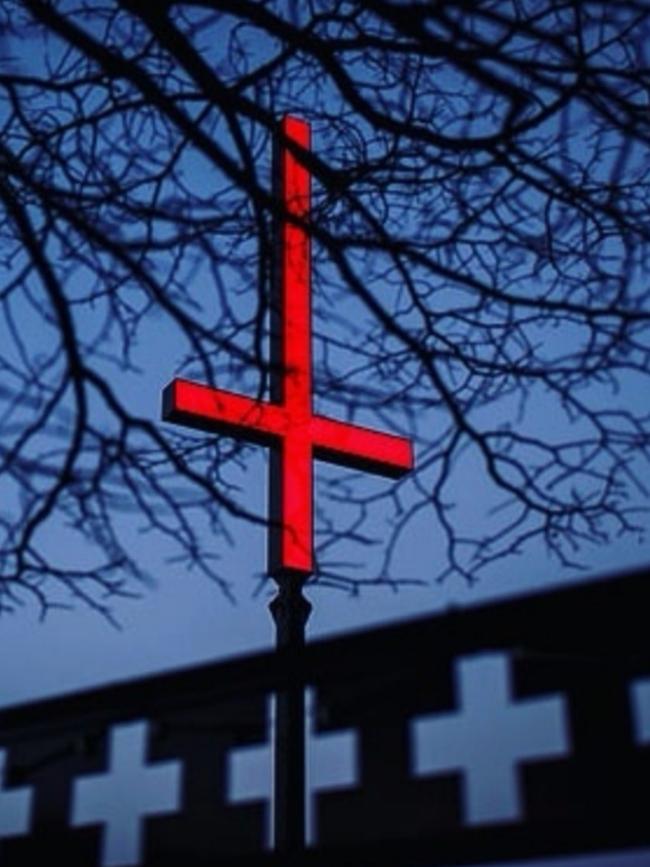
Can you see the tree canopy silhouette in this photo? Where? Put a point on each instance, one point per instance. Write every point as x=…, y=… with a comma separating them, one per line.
x=481, y=257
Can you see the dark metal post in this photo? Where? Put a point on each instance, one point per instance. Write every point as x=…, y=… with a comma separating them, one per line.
x=290, y=612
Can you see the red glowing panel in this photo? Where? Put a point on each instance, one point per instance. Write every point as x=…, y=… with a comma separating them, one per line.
x=287, y=423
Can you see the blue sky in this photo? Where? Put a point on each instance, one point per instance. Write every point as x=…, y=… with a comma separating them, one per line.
x=182, y=619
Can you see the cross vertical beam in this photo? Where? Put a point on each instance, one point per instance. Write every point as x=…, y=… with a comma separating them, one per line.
x=330, y=764
x=294, y=291
x=129, y=791
x=290, y=492
x=488, y=747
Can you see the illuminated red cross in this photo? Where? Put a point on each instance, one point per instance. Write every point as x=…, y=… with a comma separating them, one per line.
x=287, y=423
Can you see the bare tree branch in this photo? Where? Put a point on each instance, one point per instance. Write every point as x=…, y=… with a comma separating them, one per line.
x=481, y=232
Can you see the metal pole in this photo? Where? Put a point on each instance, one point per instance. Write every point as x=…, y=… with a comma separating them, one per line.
x=290, y=612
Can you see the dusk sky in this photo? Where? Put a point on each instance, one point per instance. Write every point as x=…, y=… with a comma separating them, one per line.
x=175, y=617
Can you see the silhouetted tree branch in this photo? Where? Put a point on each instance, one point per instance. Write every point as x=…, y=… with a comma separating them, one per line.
x=481, y=231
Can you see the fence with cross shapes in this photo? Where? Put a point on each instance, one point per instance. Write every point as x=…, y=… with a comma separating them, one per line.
x=483, y=732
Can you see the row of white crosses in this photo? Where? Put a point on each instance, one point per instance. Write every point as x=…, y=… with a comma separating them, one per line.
x=515, y=731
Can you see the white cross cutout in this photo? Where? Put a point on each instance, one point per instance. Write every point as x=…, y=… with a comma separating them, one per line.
x=15, y=805
x=121, y=797
x=330, y=763
x=640, y=695
x=487, y=737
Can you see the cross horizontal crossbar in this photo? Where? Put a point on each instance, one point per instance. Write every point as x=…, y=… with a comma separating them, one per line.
x=225, y=412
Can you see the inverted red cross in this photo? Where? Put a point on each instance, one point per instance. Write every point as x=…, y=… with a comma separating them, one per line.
x=295, y=434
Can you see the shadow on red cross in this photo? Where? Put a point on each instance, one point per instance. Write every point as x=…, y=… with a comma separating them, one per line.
x=295, y=434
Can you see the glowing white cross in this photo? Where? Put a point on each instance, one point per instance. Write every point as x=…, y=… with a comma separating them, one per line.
x=130, y=790
x=15, y=805
x=640, y=691
x=487, y=737
x=330, y=763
